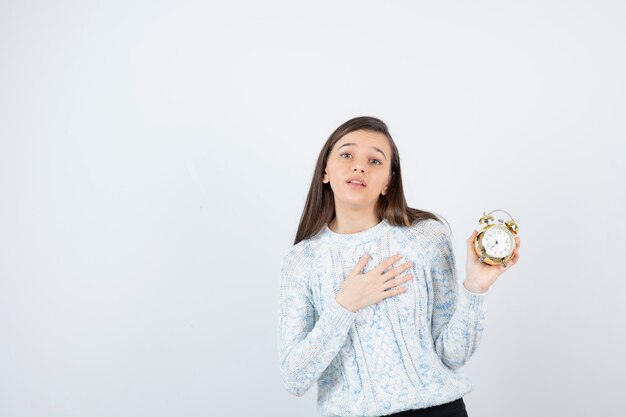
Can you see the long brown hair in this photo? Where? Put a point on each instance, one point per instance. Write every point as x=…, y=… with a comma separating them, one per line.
x=319, y=207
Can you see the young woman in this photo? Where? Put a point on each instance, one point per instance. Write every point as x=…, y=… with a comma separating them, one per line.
x=369, y=302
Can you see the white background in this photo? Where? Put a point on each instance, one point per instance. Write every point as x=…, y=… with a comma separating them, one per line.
x=155, y=157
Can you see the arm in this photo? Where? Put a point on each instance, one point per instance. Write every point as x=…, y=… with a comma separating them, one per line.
x=305, y=346
x=458, y=318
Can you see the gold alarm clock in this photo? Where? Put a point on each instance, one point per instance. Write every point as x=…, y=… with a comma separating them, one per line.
x=495, y=243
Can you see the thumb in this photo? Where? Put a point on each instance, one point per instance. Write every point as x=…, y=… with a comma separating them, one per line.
x=360, y=265
x=471, y=251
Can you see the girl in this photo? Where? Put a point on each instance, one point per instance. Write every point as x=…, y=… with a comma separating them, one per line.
x=378, y=341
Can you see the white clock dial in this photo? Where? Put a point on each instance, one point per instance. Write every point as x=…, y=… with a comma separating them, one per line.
x=497, y=242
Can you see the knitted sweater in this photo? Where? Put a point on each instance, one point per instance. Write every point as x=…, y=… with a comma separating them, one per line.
x=404, y=352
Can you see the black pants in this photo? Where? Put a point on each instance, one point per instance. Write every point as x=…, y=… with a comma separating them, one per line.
x=455, y=408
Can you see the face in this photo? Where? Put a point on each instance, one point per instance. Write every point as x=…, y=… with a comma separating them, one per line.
x=363, y=155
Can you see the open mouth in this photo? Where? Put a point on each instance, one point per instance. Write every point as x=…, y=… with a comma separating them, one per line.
x=355, y=184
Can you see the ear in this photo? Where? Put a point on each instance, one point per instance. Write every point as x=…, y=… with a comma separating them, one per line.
x=384, y=192
x=325, y=178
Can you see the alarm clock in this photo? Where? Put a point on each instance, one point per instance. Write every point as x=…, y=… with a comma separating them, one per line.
x=495, y=243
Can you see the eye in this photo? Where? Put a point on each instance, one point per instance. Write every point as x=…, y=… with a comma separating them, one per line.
x=345, y=153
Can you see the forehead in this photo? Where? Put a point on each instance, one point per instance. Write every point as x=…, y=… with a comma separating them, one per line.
x=365, y=139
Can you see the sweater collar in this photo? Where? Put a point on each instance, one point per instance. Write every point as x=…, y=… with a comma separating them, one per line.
x=355, y=238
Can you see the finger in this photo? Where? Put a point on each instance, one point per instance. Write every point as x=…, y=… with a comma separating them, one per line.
x=512, y=260
x=360, y=265
x=387, y=263
x=396, y=271
x=397, y=281
x=515, y=257
x=394, y=291
x=472, y=237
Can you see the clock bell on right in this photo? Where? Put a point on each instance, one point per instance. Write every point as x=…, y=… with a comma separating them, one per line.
x=495, y=243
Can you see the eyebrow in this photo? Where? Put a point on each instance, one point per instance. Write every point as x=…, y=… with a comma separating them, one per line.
x=372, y=147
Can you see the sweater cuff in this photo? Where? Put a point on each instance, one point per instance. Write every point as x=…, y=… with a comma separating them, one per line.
x=472, y=301
x=338, y=316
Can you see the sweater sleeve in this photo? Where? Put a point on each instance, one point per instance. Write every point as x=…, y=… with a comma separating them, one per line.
x=458, y=319
x=307, y=344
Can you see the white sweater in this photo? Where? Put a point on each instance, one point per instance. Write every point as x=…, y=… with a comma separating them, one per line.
x=402, y=353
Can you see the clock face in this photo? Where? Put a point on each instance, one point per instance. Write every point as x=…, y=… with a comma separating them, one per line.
x=497, y=242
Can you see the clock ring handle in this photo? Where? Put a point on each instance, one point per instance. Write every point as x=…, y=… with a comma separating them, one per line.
x=503, y=211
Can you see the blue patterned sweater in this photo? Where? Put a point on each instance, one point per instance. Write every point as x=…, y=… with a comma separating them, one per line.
x=402, y=353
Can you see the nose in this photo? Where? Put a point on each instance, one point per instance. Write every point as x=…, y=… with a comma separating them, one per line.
x=358, y=164
x=357, y=167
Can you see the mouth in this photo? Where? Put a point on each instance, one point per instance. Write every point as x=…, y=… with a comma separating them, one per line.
x=356, y=183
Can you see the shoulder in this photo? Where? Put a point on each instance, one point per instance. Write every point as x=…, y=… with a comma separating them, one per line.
x=427, y=233
x=297, y=257
x=432, y=229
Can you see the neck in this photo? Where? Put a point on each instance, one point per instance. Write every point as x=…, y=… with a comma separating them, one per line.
x=352, y=222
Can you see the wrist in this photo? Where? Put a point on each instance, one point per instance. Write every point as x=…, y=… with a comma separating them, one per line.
x=473, y=286
x=343, y=304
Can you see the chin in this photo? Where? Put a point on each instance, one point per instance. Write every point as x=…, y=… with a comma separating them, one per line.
x=363, y=201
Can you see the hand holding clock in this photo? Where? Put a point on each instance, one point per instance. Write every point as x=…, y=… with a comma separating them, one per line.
x=480, y=276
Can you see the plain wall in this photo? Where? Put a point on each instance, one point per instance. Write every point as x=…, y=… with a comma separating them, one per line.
x=155, y=157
